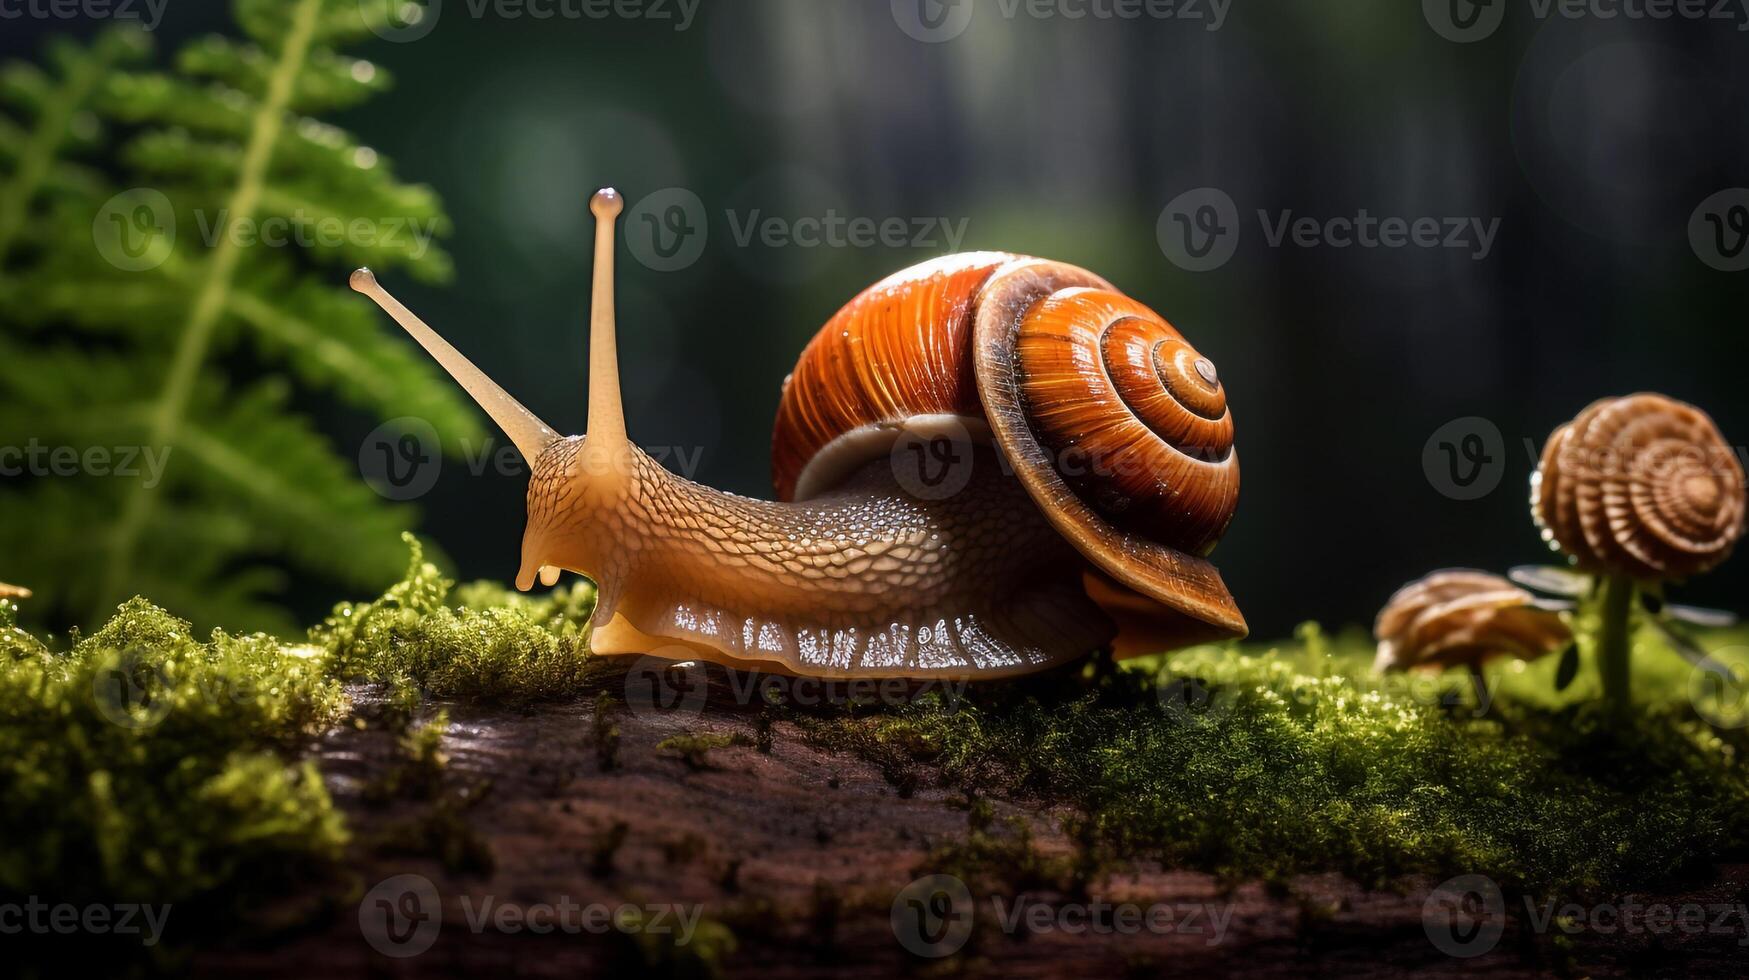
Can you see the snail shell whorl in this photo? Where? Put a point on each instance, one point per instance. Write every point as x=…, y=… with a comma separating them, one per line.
x=1117, y=428
x=1463, y=617
x=1643, y=486
x=1136, y=418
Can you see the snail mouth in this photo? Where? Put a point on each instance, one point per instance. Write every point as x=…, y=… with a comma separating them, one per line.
x=532, y=570
x=538, y=561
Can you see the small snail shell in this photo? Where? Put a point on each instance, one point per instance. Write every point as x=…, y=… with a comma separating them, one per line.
x=1463, y=617
x=1117, y=428
x=1642, y=486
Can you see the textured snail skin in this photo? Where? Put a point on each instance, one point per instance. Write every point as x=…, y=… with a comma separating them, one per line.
x=865, y=581
x=1642, y=486
x=1463, y=617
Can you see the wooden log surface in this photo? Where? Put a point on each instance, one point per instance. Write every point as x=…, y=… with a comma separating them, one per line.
x=801, y=853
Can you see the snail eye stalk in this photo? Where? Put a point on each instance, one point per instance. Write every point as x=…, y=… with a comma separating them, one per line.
x=607, y=423
x=524, y=428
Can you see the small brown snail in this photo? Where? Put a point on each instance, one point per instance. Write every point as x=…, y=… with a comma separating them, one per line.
x=13, y=591
x=1635, y=491
x=1093, y=443
x=1462, y=617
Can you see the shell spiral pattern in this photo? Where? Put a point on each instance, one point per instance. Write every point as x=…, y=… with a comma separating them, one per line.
x=1137, y=420
x=1643, y=486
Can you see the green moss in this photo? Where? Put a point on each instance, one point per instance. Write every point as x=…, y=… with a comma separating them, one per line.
x=418, y=773
x=605, y=848
x=606, y=732
x=497, y=646
x=694, y=748
x=144, y=765
x=667, y=953
x=444, y=831
x=1266, y=762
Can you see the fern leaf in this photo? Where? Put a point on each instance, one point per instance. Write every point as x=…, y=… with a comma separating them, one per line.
x=56, y=108
x=248, y=490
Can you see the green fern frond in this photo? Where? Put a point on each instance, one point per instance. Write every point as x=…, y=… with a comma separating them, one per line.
x=60, y=119
x=259, y=196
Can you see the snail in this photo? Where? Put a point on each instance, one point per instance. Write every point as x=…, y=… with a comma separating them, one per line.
x=13, y=591
x=1462, y=617
x=1089, y=464
x=1636, y=491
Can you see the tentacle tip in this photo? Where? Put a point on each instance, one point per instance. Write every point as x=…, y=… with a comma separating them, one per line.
x=363, y=280
x=606, y=204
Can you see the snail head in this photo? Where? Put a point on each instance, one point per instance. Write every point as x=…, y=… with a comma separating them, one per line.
x=579, y=486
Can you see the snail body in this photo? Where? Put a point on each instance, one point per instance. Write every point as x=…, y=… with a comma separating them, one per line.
x=1000, y=366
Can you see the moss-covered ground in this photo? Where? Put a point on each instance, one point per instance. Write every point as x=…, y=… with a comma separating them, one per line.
x=142, y=763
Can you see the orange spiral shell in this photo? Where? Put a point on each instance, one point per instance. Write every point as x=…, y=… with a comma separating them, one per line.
x=1115, y=425
x=1643, y=486
x=1463, y=617
x=1136, y=418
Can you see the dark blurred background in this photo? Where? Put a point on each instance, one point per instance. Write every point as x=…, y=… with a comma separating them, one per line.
x=1592, y=140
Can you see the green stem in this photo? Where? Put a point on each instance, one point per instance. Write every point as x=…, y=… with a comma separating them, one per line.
x=1613, y=644
x=210, y=302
